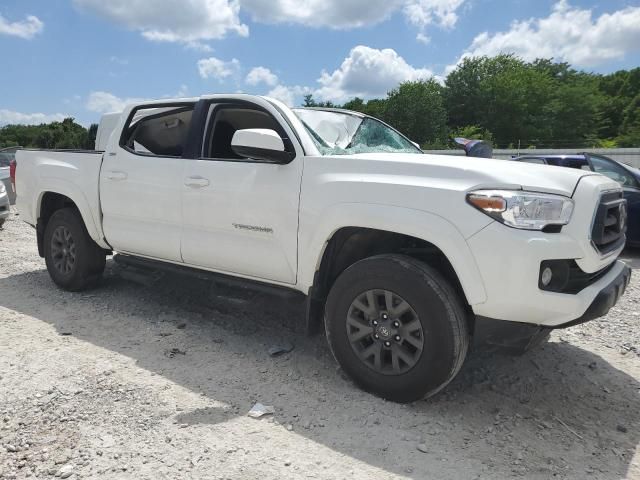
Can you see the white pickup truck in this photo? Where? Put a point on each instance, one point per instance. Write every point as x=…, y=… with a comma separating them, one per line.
x=403, y=257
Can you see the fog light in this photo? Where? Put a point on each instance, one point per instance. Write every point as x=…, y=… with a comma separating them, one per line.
x=547, y=276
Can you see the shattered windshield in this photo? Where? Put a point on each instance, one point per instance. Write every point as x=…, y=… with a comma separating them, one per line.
x=341, y=133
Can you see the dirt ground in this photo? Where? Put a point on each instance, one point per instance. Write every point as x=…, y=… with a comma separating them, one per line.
x=154, y=381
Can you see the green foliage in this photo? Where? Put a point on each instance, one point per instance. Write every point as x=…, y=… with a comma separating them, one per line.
x=543, y=104
x=417, y=110
x=473, y=132
x=310, y=102
x=56, y=135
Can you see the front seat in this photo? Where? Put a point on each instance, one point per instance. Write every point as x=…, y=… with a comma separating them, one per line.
x=221, y=141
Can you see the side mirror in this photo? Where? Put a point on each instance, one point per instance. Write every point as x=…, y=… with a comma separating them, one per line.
x=260, y=144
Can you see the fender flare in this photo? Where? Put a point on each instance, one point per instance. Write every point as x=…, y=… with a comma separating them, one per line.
x=77, y=196
x=412, y=222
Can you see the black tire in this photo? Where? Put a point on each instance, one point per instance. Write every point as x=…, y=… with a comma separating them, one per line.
x=88, y=258
x=439, y=309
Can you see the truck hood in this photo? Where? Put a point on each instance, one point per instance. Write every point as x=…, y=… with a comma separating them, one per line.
x=474, y=173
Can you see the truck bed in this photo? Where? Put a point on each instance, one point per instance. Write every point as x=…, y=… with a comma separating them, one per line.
x=72, y=173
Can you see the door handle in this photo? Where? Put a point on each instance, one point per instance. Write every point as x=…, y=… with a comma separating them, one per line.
x=196, y=182
x=117, y=176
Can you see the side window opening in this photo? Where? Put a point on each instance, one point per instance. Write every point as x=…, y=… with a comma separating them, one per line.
x=225, y=120
x=160, y=131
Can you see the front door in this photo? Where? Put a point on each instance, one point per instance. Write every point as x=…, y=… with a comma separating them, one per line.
x=240, y=216
x=141, y=182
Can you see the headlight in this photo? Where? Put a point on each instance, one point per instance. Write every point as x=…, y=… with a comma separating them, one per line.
x=3, y=189
x=525, y=210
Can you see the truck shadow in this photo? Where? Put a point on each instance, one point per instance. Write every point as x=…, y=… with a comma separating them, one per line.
x=559, y=411
x=632, y=257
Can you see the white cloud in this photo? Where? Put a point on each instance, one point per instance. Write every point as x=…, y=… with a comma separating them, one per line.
x=27, y=28
x=569, y=33
x=340, y=14
x=10, y=117
x=423, y=13
x=422, y=38
x=322, y=13
x=190, y=22
x=368, y=72
x=183, y=91
x=219, y=69
x=288, y=95
x=119, y=61
x=105, y=102
x=260, y=75
x=195, y=22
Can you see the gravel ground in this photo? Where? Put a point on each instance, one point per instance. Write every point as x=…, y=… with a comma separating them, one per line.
x=154, y=380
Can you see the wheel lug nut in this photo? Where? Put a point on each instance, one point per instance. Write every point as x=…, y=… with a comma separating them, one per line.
x=396, y=324
x=387, y=344
x=376, y=336
x=385, y=316
x=398, y=338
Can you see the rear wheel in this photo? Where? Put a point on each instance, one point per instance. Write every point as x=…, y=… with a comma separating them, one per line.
x=74, y=261
x=396, y=327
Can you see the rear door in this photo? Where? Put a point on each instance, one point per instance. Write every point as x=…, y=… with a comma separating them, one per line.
x=240, y=215
x=141, y=182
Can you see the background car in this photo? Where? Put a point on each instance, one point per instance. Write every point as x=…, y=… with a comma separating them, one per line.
x=7, y=169
x=627, y=176
x=4, y=205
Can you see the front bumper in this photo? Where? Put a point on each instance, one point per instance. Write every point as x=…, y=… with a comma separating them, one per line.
x=606, y=299
x=509, y=261
x=519, y=337
x=511, y=274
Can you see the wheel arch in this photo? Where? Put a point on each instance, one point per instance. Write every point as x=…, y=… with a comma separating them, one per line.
x=50, y=201
x=417, y=234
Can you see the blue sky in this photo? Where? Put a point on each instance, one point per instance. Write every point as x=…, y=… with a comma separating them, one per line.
x=85, y=57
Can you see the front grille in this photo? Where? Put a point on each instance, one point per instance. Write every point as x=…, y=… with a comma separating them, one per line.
x=609, y=225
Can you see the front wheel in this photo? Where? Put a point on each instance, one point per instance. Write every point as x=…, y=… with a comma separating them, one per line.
x=396, y=327
x=74, y=261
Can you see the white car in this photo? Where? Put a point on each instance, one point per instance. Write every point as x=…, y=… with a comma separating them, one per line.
x=404, y=258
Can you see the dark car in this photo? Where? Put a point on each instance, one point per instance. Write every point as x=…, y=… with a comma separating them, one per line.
x=627, y=176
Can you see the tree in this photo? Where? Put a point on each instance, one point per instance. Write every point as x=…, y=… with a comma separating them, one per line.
x=357, y=105
x=65, y=134
x=92, y=134
x=375, y=108
x=630, y=131
x=472, y=132
x=309, y=101
x=417, y=110
x=467, y=96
